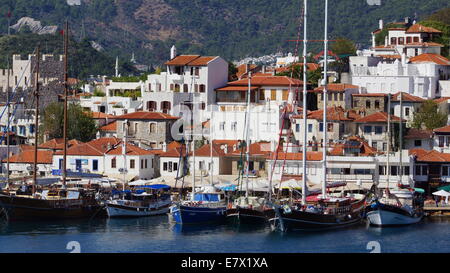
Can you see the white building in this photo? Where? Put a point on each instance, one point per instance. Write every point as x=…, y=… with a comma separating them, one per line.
x=407, y=62
x=105, y=156
x=187, y=76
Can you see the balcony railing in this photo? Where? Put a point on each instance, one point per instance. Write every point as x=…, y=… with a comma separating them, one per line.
x=350, y=177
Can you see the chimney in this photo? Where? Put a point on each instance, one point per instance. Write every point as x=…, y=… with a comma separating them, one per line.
x=380, y=24
x=108, y=146
x=403, y=58
x=173, y=52
x=164, y=147
x=263, y=69
x=407, y=20
x=386, y=40
x=247, y=68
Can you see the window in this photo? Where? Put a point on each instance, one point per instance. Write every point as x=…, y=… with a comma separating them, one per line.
x=341, y=96
x=202, y=106
x=152, y=127
x=31, y=128
x=444, y=170
x=367, y=103
x=310, y=128
x=185, y=88
x=441, y=141
x=330, y=127
x=321, y=127
x=418, y=170
x=222, y=126
x=165, y=166
x=401, y=40
x=145, y=163
x=393, y=40
x=408, y=40
x=407, y=111
x=367, y=129
x=197, y=71
x=273, y=94
x=394, y=170
x=95, y=165
x=285, y=95
x=233, y=126
x=132, y=163
x=417, y=143
x=406, y=170
x=335, y=96
x=113, y=163
x=22, y=130
x=377, y=104
x=424, y=170
x=175, y=166
x=171, y=87
x=297, y=127
x=416, y=39
x=142, y=163
x=378, y=130
x=355, y=103
x=384, y=146
x=202, y=88
x=170, y=166
x=261, y=95
x=375, y=144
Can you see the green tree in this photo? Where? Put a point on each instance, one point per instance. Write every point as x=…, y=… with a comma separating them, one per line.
x=429, y=117
x=81, y=125
x=343, y=48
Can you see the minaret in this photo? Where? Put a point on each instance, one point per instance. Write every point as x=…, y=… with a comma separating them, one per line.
x=173, y=52
x=117, y=66
x=133, y=60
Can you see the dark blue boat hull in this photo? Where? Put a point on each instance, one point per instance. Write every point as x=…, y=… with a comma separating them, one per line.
x=196, y=215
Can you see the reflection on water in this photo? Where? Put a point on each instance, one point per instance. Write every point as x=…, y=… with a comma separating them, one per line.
x=157, y=234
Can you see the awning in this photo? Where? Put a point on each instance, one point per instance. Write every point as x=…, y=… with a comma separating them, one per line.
x=445, y=188
x=442, y=193
x=155, y=186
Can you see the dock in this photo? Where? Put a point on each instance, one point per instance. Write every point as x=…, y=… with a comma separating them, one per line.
x=434, y=211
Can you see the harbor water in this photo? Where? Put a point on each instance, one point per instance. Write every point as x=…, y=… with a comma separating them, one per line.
x=156, y=234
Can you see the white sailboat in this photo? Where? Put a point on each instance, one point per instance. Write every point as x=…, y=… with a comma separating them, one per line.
x=396, y=207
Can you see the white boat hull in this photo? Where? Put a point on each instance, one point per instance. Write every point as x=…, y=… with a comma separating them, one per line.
x=387, y=218
x=120, y=210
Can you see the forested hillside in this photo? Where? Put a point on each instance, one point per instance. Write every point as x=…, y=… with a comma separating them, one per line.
x=231, y=28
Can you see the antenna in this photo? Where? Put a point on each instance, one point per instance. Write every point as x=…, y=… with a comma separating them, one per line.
x=325, y=98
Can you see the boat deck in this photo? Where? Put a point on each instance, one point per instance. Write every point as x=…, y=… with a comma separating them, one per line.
x=433, y=210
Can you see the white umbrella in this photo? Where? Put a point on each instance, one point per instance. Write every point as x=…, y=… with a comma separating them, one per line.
x=444, y=194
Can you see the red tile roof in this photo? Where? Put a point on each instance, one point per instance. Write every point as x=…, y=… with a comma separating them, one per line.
x=337, y=87
x=424, y=44
x=141, y=115
x=370, y=95
x=175, y=152
x=130, y=150
x=309, y=67
x=443, y=99
x=255, y=149
x=237, y=88
x=110, y=127
x=27, y=157
x=100, y=115
x=191, y=60
x=58, y=144
x=268, y=81
x=429, y=156
x=430, y=58
x=406, y=97
x=445, y=129
x=414, y=133
x=378, y=117
x=364, y=148
x=333, y=114
x=205, y=151
x=418, y=28
x=310, y=156
x=96, y=147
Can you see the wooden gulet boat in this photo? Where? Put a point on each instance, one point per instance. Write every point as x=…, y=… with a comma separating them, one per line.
x=326, y=211
x=52, y=204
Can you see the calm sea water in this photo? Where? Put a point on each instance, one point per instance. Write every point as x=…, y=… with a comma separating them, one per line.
x=156, y=234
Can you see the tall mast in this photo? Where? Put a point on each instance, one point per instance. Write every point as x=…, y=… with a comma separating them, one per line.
x=66, y=41
x=210, y=150
x=305, y=121
x=325, y=99
x=247, y=122
x=401, y=138
x=9, y=125
x=193, y=145
x=388, y=169
x=124, y=153
x=36, y=120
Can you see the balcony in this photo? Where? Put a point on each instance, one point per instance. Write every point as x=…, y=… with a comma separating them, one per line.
x=349, y=177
